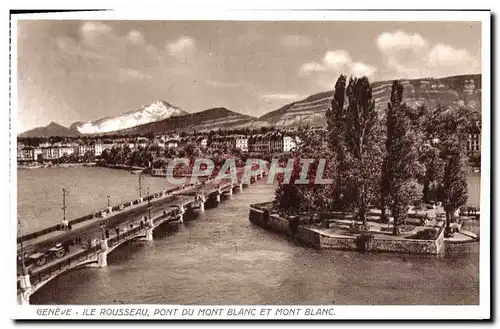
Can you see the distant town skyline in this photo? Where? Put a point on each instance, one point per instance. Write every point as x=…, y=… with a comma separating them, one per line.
x=80, y=70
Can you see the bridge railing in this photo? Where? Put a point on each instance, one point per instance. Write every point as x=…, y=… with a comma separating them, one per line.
x=116, y=239
x=170, y=213
x=57, y=227
x=39, y=276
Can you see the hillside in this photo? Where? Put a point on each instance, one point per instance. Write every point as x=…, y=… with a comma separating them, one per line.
x=156, y=111
x=464, y=90
x=211, y=119
x=53, y=129
x=160, y=116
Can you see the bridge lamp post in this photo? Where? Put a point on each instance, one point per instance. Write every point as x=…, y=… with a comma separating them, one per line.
x=149, y=202
x=103, y=230
x=23, y=260
x=140, y=186
x=109, y=203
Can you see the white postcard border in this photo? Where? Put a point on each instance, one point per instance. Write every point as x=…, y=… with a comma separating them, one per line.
x=341, y=312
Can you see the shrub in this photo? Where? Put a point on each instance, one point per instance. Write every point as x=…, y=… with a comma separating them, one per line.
x=425, y=234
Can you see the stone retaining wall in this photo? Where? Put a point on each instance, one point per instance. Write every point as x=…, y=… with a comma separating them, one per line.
x=319, y=240
x=470, y=247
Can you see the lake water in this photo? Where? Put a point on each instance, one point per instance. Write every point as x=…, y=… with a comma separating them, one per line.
x=39, y=193
x=221, y=258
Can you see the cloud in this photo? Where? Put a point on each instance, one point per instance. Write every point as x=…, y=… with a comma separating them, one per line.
x=337, y=59
x=400, y=40
x=308, y=68
x=93, y=32
x=409, y=55
x=442, y=54
x=136, y=37
x=98, y=41
x=298, y=41
x=222, y=84
x=95, y=27
x=334, y=63
x=181, y=46
x=278, y=96
x=71, y=48
x=359, y=69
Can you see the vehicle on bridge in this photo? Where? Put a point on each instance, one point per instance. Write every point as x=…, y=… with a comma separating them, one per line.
x=42, y=257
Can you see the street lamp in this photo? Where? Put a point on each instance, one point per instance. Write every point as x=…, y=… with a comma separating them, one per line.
x=103, y=228
x=23, y=261
x=140, y=186
x=109, y=204
x=149, y=202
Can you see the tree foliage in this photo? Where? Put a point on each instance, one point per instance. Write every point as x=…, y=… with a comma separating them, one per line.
x=362, y=149
x=454, y=183
x=400, y=168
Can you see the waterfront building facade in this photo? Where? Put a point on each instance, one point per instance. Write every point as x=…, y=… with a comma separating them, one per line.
x=242, y=143
x=289, y=143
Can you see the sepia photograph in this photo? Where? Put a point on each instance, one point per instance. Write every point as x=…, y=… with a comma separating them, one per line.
x=250, y=165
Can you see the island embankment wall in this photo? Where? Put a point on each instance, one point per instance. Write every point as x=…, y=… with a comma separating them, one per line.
x=320, y=239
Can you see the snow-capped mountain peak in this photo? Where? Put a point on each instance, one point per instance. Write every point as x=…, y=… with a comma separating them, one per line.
x=156, y=111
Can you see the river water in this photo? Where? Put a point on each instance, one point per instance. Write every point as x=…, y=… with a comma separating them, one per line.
x=221, y=258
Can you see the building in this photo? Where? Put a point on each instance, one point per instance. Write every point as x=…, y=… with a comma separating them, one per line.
x=473, y=142
x=259, y=144
x=289, y=143
x=84, y=148
x=276, y=142
x=26, y=154
x=37, y=153
x=172, y=143
x=50, y=153
x=97, y=149
x=105, y=145
x=223, y=143
x=202, y=141
x=20, y=151
x=242, y=143
x=142, y=142
x=65, y=150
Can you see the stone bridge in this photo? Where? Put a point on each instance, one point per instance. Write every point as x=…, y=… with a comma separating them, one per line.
x=95, y=254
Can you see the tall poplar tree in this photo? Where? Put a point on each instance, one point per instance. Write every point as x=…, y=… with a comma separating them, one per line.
x=335, y=117
x=361, y=138
x=399, y=170
x=454, y=183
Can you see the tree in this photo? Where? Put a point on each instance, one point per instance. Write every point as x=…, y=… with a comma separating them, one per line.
x=400, y=165
x=454, y=182
x=361, y=136
x=292, y=198
x=335, y=117
x=88, y=156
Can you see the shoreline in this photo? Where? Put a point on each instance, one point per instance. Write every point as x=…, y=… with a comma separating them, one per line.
x=320, y=238
x=60, y=165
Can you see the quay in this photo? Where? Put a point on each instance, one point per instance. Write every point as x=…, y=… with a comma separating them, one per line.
x=321, y=237
x=135, y=220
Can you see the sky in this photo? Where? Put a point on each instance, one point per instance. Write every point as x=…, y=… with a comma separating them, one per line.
x=80, y=70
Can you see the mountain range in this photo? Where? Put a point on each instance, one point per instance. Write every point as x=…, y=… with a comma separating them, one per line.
x=52, y=129
x=157, y=111
x=160, y=116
